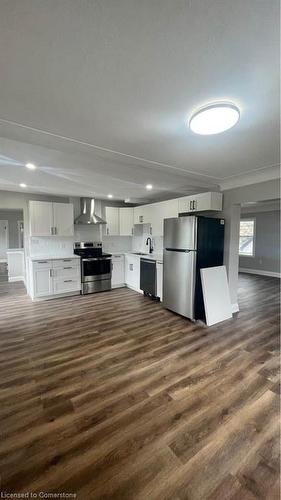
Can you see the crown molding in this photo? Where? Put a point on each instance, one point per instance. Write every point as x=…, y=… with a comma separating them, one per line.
x=262, y=175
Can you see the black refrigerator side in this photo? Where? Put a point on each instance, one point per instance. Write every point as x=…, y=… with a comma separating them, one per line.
x=210, y=246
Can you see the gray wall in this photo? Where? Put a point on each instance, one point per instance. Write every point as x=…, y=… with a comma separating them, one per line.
x=12, y=216
x=232, y=200
x=267, y=243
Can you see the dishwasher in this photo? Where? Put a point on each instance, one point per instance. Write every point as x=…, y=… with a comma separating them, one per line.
x=148, y=277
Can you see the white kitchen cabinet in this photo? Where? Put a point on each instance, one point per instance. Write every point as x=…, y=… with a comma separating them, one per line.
x=52, y=277
x=112, y=221
x=126, y=221
x=41, y=218
x=51, y=219
x=118, y=270
x=132, y=271
x=159, y=212
x=42, y=278
x=159, y=277
x=63, y=219
x=200, y=202
x=143, y=214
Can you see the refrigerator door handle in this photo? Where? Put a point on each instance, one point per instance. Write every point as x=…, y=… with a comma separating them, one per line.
x=183, y=250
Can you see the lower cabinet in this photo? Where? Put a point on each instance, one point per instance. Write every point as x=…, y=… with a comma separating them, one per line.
x=118, y=270
x=53, y=277
x=132, y=271
x=159, y=275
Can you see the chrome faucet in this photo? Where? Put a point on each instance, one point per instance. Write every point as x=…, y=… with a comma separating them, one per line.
x=149, y=243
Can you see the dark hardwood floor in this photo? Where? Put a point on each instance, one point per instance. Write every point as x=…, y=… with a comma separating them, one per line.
x=110, y=396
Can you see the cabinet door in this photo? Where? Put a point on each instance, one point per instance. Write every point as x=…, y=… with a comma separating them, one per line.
x=186, y=204
x=159, y=271
x=118, y=272
x=63, y=219
x=126, y=221
x=132, y=272
x=112, y=221
x=143, y=214
x=42, y=282
x=41, y=218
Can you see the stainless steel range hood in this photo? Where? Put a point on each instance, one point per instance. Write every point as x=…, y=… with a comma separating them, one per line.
x=88, y=215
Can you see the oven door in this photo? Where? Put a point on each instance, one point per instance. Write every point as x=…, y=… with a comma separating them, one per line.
x=96, y=269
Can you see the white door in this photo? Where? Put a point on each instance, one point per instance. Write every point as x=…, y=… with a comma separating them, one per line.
x=126, y=221
x=4, y=238
x=118, y=271
x=43, y=282
x=41, y=218
x=112, y=221
x=63, y=219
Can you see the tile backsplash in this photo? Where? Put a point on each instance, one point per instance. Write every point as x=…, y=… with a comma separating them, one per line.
x=113, y=244
x=50, y=246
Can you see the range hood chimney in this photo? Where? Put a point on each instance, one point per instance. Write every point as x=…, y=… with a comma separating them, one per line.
x=88, y=215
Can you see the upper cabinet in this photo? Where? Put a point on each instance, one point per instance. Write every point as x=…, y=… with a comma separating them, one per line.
x=119, y=221
x=51, y=219
x=200, y=202
x=155, y=214
x=112, y=220
x=126, y=221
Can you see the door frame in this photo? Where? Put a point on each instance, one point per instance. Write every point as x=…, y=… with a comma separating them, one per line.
x=7, y=238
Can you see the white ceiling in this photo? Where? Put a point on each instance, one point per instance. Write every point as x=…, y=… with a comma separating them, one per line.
x=97, y=93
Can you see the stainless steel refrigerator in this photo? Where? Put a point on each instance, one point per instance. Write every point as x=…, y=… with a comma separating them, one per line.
x=190, y=243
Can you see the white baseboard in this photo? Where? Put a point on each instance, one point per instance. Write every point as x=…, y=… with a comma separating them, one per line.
x=235, y=307
x=16, y=278
x=258, y=271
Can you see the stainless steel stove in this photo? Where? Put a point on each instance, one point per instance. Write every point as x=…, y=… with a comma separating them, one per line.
x=96, y=267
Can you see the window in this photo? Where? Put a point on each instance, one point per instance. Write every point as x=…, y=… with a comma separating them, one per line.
x=247, y=237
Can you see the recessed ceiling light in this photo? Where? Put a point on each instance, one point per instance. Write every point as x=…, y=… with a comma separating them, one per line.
x=22, y=185
x=31, y=166
x=110, y=196
x=214, y=119
x=148, y=186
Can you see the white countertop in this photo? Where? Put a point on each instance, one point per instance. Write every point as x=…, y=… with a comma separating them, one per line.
x=151, y=256
x=15, y=250
x=53, y=257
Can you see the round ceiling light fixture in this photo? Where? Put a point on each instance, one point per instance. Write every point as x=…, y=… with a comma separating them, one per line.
x=214, y=118
x=149, y=187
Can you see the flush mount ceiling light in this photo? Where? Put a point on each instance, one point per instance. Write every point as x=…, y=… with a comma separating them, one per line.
x=110, y=196
x=148, y=186
x=22, y=185
x=31, y=166
x=214, y=119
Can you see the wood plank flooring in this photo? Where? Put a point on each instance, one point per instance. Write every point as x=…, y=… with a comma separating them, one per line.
x=110, y=396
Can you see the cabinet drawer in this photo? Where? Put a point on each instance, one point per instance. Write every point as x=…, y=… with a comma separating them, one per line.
x=66, y=262
x=42, y=264
x=66, y=272
x=66, y=285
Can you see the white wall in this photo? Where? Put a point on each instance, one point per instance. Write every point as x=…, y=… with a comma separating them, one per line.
x=267, y=243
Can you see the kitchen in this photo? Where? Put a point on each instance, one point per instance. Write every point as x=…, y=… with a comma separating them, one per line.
x=85, y=267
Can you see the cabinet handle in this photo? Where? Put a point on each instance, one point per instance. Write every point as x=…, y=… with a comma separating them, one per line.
x=51, y=273
x=194, y=205
x=66, y=260
x=131, y=266
x=42, y=262
x=132, y=231
x=67, y=281
x=55, y=229
x=51, y=230
x=107, y=230
x=190, y=205
x=70, y=267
